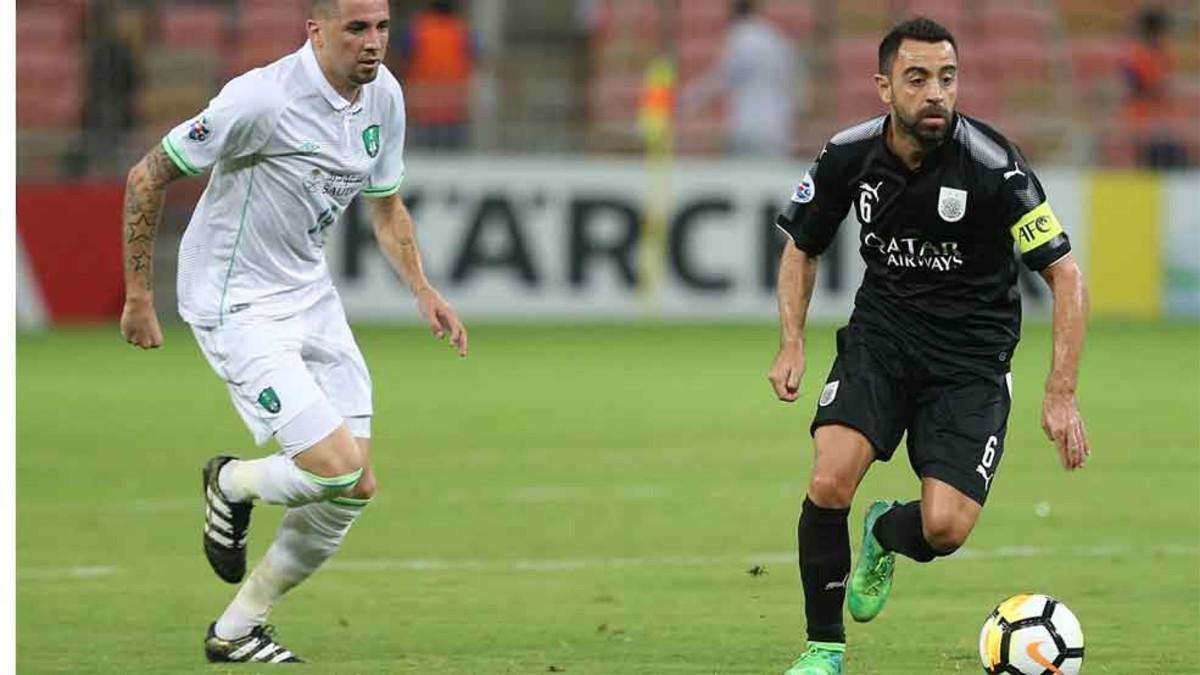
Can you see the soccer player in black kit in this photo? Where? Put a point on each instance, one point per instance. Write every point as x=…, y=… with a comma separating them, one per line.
x=943, y=200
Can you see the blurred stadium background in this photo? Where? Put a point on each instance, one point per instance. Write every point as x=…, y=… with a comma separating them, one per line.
x=609, y=461
x=530, y=123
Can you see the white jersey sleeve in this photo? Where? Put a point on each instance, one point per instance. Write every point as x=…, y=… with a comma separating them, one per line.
x=385, y=177
x=237, y=123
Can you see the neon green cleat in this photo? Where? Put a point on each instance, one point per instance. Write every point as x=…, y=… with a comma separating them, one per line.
x=822, y=658
x=871, y=582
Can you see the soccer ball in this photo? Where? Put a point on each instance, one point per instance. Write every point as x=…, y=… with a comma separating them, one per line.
x=1031, y=634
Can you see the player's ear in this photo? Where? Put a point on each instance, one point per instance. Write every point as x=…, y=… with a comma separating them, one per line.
x=314, y=33
x=884, y=86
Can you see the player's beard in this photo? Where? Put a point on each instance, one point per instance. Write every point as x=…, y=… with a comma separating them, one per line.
x=364, y=76
x=927, y=137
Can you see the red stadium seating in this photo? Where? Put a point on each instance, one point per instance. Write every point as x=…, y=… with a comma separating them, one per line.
x=195, y=26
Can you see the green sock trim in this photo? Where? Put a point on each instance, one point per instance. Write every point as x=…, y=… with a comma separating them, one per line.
x=829, y=646
x=350, y=502
x=334, y=482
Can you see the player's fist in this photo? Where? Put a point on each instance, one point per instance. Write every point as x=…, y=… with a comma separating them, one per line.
x=139, y=324
x=787, y=371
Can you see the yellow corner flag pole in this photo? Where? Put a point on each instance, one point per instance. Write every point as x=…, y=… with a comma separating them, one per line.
x=655, y=122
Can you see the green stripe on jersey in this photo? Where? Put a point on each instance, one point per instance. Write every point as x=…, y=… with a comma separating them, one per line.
x=177, y=157
x=236, y=242
x=376, y=193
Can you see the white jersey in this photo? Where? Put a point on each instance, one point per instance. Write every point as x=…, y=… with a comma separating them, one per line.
x=287, y=154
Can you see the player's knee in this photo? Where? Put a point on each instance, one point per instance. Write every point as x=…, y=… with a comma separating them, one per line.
x=831, y=491
x=946, y=533
x=365, y=488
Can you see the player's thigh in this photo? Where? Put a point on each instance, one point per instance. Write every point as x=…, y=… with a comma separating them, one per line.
x=958, y=430
x=269, y=384
x=866, y=391
x=337, y=364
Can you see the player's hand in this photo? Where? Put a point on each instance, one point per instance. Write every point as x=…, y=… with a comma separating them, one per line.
x=787, y=371
x=442, y=318
x=1063, y=425
x=139, y=324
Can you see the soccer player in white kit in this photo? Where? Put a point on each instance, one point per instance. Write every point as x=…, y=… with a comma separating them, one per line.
x=289, y=145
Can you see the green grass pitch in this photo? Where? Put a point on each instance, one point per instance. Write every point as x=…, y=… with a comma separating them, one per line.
x=589, y=499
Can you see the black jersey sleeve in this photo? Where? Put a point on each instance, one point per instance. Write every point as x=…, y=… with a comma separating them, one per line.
x=1035, y=229
x=818, y=205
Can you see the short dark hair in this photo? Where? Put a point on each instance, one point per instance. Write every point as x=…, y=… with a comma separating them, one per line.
x=918, y=28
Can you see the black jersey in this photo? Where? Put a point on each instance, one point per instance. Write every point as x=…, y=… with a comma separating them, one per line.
x=938, y=242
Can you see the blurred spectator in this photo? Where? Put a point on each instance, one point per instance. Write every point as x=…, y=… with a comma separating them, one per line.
x=1146, y=70
x=113, y=79
x=439, y=54
x=757, y=69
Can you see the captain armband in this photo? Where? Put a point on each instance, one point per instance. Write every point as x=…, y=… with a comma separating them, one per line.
x=1039, y=226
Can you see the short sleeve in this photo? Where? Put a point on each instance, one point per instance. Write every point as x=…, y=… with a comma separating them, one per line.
x=817, y=206
x=237, y=123
x=385, y=177
x=1038, y=234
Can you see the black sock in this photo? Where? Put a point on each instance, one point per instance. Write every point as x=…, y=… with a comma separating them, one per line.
x=900, y=530
x=824, y=541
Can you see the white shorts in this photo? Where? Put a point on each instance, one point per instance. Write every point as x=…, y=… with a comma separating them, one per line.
x=278, y=368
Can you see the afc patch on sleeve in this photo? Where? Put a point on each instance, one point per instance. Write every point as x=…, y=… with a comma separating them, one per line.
x=806, y=190
x=1039, y=226
x=200, y=130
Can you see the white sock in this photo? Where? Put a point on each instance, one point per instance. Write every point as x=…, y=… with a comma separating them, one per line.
x=307, y=537
x=277, y=480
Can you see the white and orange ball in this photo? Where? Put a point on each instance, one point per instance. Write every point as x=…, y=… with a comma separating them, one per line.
x=1031, y=634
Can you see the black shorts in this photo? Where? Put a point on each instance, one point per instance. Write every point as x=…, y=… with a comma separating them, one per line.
x=955, y=421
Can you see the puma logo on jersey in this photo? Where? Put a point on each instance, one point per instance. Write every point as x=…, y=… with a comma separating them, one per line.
x=874, y=191
x=1015, y=172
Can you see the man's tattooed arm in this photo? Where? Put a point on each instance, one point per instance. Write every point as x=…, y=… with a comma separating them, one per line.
x=143, y=209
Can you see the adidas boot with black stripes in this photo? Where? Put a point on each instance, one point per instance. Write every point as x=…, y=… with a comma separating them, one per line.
x=226, y=525
x=257, y=647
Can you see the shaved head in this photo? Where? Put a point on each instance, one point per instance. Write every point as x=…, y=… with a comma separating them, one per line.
x=322, y=9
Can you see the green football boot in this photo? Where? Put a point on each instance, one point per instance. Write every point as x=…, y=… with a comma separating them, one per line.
x=822, y=658
x=871, y=582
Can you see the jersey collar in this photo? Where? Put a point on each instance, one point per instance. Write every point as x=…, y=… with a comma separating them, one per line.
x=309, y=57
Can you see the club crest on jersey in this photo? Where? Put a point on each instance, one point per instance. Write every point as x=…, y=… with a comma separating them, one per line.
x=952, y=204
x=805, y=191
x=269, y=400
x=829, y=393
x=371, y=139
x=200, y=130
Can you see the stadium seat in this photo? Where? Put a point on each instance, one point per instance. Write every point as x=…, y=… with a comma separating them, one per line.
x=861, y=17
x=1096, y=59
x=199, y=26
x=856, y=56
x=45, y=25
x=798, y=18
x=49, y=87
x=1003, y=21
